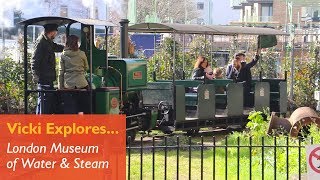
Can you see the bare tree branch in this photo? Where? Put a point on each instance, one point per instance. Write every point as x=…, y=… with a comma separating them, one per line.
x=167, y=10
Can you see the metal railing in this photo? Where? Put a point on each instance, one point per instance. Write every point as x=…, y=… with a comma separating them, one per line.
x=234, y=3
x=258, y=19
x=259, y=1
x=237, y=3
x=217, y=158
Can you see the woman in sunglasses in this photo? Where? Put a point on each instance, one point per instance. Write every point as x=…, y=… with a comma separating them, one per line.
x=199, y=68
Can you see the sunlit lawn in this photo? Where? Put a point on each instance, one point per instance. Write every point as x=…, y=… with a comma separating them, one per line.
x=208, y=165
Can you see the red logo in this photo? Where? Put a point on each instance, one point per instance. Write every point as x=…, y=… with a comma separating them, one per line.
x=137, y=75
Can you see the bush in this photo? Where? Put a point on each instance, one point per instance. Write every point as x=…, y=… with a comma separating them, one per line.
x=306, y=73
x=258, y=124
x=162, y=60
x=12, y=87
x=267, y=65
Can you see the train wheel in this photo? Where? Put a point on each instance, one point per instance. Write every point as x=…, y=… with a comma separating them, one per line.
x=192, y=132
x=132, y=134
x=167, y=129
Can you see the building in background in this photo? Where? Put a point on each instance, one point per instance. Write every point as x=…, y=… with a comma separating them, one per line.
x=300, y=18
x=259, y=12
x=205, y=8
x=77, y=9
x=275, y=13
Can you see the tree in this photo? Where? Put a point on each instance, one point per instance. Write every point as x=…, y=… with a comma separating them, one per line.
x=306, y=77
x=267, y=64
x=12, y=87
x=17, y=18
x=167, y=10
x=162, y=61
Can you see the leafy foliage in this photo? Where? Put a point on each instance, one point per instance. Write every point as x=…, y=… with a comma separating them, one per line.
x=114, y=44
x=257, y=136
x=12, y=87
x=267, y=65
x=167, y=10
x=258, y=123
x=162, y=60
x=306, y=73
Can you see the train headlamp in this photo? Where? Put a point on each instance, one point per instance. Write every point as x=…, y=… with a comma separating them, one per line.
x=85, y=29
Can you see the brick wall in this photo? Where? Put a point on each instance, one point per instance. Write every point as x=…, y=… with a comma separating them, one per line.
x=279, y=12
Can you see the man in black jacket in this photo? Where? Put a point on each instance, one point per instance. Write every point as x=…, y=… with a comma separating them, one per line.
x=43, y=67
x=240, y=71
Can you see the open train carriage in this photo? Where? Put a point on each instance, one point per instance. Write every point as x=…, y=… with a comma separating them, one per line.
x=182, y=110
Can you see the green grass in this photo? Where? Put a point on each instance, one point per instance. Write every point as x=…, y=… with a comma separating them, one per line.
x=219, y=165
x=257, y=134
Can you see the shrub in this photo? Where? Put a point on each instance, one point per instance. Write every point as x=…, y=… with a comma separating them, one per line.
x=12, y=87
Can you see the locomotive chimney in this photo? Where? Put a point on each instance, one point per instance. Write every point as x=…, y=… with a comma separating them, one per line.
x=124, y=37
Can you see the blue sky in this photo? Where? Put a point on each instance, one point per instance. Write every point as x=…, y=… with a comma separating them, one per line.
x=223, y=13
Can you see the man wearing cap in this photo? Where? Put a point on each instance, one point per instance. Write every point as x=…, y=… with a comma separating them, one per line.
x=240, y=58
x=242, y=73
x=43, y=69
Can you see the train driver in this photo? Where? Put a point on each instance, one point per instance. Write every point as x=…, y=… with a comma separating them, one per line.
x=43, y=67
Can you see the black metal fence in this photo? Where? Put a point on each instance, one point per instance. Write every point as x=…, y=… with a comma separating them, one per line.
x=217, y=158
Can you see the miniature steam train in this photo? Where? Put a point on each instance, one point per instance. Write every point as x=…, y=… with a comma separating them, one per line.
x=119, y=85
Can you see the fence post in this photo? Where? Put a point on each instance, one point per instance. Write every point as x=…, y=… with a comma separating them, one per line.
x=214, y=157
x=178, y=147
x=238, y=158
x=189, y=157
x=275, y=158
x=250, y=157
x=226, y=158
x=287, y=149
x=165, y=157
x=141, y=157
x=153, y=158
x=299, y=158
x=129, y=156
x=262, y=158
x=201, y=158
